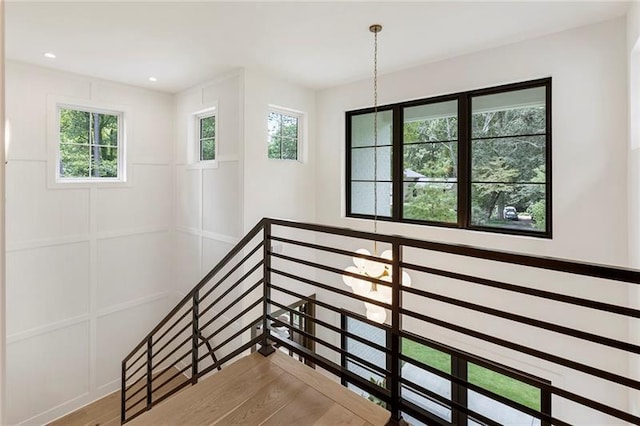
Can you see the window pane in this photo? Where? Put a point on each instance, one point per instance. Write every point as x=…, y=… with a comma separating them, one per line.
x=289, y=148
x=362, y=163
x=519, y=112
x=506, y=386
x=74, y=126
x=290, y=127
x=208, y=127
x=108, y=129
x=427, y=355
x=74, y=161
x=362, y=129
x=207, y=149
x=362, y=198
x=509, y=206
x=433, y=358
x=273, y=123
x=432, y=122
x=366, y=352
x=519, y=159
x=104, y=161
x=436, y=202
x=431, y=161
x=501, y=413
x=274, y=147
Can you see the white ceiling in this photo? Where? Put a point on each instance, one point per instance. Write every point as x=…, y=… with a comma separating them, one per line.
x=315, y=44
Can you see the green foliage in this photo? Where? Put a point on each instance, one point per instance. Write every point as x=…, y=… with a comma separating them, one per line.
x=431, y=203
x=381, y=383
x=537, y=212
x=508, y=167
x=283, y=136
x=208, y=138
x=88, y=144
x=495, y=382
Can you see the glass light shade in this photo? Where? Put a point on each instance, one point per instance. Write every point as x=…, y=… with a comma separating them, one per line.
x=359, y=262
x=361, y=287
x=348, y=280
x=377, y=314
x=406, y=279
x=374, y=269
x=385, y=291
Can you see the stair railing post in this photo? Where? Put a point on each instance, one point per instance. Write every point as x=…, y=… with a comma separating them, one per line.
x=195, y=333
x=265, y=347
x=149, y=371
x=123, y=395
x=396, y=303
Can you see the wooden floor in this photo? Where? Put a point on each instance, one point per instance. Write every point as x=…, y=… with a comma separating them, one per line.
x=273, y=390
x=106, y=411
x=255, y=390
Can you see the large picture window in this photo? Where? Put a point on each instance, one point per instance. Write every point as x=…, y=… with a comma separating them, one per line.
x=473, y=160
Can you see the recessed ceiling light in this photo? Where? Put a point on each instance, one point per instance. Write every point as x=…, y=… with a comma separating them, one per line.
x=50, y=55
x=153, y=79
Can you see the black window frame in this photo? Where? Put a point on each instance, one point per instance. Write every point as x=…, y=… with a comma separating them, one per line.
x=459, y=363
x=464, y=142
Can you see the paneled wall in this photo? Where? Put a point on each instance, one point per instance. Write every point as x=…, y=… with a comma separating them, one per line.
x=89, y=267
x=209, y=197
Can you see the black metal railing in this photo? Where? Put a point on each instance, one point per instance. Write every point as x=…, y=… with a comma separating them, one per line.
x=480, y=336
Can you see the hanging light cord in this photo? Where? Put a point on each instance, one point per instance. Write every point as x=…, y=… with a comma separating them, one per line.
x=375, y=29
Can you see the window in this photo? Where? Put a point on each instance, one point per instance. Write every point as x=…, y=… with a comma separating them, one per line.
x=431, y=367
x=206, y=128
x=474, y=160
x=90, y=145
x=284, y=129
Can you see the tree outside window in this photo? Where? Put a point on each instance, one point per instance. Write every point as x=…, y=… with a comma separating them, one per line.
x=89, y=144
x=283, y=135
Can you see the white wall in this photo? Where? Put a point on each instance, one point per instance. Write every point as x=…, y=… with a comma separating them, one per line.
x=588, y=67
x=589, y=134
x=88, y=268
x=633, y=80
x=3, y=411
x=277, y=188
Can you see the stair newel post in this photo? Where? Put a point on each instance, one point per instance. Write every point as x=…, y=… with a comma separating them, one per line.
x=194, y=336
x=123, y=394
x=396, y=303
x=149, y=370
x=265, y=347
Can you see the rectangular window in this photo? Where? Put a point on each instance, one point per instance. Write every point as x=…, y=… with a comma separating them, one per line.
x=90, y=145
x=284, y=130
x=207, y=136
x=474, y=160
x=432, y=368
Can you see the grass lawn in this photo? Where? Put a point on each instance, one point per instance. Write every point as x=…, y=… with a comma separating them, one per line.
x=490, y=380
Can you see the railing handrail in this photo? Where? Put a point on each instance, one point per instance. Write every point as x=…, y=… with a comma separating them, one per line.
x=223, y=262
x=610, y=272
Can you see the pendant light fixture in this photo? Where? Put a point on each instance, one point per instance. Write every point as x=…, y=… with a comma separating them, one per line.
x=365, y=267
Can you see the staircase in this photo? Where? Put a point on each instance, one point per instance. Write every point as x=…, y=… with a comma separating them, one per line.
x=476, y=331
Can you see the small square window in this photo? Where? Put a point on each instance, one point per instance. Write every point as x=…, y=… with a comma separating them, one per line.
x=284, y=135
x=207, y=136
x=90, y=145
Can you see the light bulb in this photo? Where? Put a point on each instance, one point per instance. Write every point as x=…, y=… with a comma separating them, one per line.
x=388, y=255
x=348, y=280
x=358, y=261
